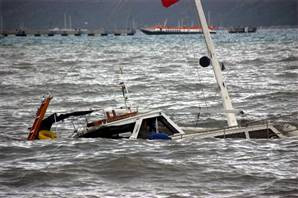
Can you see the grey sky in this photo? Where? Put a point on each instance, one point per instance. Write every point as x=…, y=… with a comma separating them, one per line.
x=94, y=14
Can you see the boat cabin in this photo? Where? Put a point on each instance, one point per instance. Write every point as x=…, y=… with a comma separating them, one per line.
x=152, y=125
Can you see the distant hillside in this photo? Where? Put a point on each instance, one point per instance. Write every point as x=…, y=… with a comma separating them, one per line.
x=109, y=14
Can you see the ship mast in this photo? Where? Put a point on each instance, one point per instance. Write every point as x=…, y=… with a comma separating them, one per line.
x=227, y=103
x=1, y=21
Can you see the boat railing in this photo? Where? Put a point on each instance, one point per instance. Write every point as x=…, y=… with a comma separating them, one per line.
x=271, y=120
x=226, y=129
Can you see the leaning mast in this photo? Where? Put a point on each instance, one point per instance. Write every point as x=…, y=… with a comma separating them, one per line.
x=227, y=103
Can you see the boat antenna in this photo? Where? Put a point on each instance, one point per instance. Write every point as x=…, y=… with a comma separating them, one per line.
x=227, y=103
x=1, y=20
x=124, y=89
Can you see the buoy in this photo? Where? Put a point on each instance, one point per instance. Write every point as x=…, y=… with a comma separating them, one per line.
x=204, y=61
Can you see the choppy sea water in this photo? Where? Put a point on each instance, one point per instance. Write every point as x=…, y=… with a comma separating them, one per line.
x=161, y=72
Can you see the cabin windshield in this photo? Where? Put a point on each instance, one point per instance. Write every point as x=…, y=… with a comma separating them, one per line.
x=155, y=125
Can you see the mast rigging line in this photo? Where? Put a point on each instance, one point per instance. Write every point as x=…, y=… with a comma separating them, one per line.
x=111, y=13
x=192, y=51
x=120, y=4
x=190, y=9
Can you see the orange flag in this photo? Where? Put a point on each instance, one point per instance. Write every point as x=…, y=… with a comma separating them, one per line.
x=168, y=3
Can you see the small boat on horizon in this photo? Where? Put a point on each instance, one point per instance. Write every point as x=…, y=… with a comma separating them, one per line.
x=21, y=33
x=131, y=32
x=247, y=29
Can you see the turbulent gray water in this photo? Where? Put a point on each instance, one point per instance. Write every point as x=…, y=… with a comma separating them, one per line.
x=161, y=73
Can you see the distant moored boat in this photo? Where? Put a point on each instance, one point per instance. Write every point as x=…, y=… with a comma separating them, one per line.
x=51, y=34
x=243, y=30
x=64, y=34
x=131, y=32
x=21, y=33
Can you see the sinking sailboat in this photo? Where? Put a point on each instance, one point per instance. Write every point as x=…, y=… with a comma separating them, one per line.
x=129, y=123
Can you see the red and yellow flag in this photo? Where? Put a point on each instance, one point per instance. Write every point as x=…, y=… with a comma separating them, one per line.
x=168, y=3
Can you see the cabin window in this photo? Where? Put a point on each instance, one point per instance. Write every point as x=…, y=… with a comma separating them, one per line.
x=233, y=135
x=262, y=134
x=114, y=132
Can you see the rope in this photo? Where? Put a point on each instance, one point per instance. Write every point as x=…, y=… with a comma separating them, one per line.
x=200, y=80
x=55, y=122
x=116, y=7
